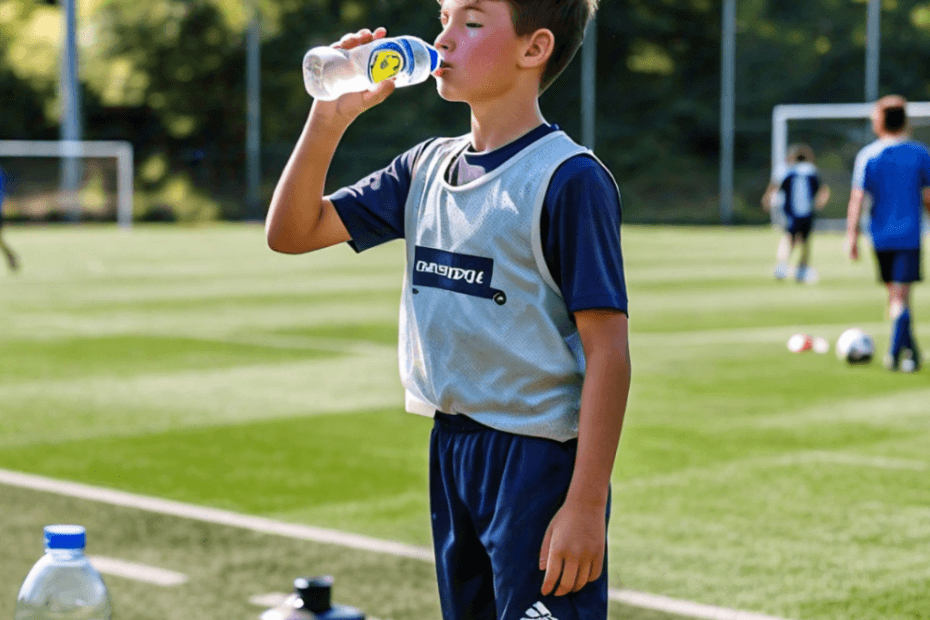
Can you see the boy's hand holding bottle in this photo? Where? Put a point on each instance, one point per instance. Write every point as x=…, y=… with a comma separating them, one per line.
x=350, y=105
x=362, y=70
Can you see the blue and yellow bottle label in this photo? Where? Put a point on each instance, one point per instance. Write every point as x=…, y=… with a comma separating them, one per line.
x=386, y=61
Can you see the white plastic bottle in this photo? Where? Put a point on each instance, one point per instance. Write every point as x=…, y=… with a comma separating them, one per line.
x=63, y=585
x=330, y=73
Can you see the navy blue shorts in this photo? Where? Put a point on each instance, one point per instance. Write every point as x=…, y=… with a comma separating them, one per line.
x=799, y=226
x=900, y=266
x=492, y=496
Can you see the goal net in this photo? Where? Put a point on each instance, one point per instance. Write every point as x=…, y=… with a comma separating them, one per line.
x=33, y=173
x=836, y=133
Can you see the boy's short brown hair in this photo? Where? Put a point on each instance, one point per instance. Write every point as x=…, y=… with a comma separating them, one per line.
x=800, y=152
x=891, y=113
x=567, y=19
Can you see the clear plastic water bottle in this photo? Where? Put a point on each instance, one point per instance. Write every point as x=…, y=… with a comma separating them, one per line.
x=63, y=585
x=311, y=600
x=330, y=73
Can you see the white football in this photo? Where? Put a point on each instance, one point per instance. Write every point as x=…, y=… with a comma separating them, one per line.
x=855, y=346
x=799, y=342
x=820, y=344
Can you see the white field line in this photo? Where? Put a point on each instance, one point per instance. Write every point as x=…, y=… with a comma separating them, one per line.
x=138, y=572
x=272, y=599
x=212, y=515
x=683, y=608
x=331, y=537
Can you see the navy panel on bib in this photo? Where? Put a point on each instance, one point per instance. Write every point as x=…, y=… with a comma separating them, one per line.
x=461, y=273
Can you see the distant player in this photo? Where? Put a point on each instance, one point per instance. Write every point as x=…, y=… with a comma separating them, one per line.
x=11, y=259
x=895, y=172
x=799, y=192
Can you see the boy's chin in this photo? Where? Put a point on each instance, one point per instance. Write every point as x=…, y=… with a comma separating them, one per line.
x=447, y=93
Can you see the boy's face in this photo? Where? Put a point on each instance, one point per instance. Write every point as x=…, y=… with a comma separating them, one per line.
x=480, y=49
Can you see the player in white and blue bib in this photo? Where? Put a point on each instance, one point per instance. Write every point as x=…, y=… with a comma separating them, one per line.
x=798, y=192
x=894, y=171
x=496, y=407
x=513, y=312
x=11, y=259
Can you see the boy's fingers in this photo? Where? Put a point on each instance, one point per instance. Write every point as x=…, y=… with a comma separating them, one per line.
x=379, y=94
x=553, y=572
x=544, y=550
x=597, y=568
x=354, y=39
x=583, y=577
x=567, y=581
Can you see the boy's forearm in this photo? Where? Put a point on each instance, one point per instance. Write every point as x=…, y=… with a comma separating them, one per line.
x=854, y=212
x=296, y=204
x=603, y=406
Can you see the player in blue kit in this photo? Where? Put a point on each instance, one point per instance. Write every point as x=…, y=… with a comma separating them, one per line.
x=894, y=172
x=799, y=193
x=513, y=318
x=11, y=259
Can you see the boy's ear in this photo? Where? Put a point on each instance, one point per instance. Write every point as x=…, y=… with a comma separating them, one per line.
x=538, y=49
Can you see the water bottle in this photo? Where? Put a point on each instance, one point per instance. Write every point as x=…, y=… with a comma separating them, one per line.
x=330, y=73
x=311, y=601
x=63, y=585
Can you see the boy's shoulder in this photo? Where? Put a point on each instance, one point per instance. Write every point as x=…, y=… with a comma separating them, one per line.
x=585, y=168
x=436, y=145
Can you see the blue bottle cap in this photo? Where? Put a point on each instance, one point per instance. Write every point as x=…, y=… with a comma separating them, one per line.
x=434, y=58
x=65, y=537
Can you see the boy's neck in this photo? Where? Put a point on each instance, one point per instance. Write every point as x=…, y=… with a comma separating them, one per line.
x=500, y=122
x=898, y=135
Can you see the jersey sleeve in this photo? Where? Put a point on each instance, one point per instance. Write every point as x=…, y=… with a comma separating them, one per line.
x=580, y=232
x=372, y=209
x=858, y=176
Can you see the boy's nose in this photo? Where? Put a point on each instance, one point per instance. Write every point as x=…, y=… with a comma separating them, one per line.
x=443, y=43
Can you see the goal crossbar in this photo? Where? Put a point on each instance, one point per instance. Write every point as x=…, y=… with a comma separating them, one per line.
x=781, y=114
x=119, y=149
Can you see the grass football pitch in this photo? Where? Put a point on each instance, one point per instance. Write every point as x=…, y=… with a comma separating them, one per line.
x=193, y=364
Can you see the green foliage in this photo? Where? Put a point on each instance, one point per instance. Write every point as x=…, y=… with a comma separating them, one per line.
x=169, y=75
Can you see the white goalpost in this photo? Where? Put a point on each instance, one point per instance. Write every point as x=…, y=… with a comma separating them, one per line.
x=843, y=129
x=121, y=151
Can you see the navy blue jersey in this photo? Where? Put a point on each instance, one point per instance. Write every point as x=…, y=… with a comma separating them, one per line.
x=580, y=220
x=894, y=172
x=800, y=186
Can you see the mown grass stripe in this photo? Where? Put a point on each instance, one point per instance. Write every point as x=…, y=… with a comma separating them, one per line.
x=326, y=536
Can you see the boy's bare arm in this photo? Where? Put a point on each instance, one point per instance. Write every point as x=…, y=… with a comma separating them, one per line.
x=299, y=218
x=822, y=197
x=853, y=213
x=572, y=553
x=766, y=200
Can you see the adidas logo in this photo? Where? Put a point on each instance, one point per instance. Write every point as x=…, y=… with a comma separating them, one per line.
x=538, y=612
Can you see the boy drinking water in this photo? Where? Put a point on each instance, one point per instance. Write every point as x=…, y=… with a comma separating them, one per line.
x=513, y=316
